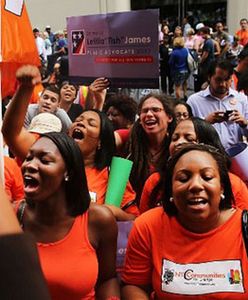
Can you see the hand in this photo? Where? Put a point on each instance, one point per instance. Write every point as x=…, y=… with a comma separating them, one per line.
x=99, y=85
x=98, y=90
x=28, y=75
x=216, y=117
x=236, y=117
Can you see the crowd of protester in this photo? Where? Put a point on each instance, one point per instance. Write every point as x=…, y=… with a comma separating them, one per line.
x=182, y=202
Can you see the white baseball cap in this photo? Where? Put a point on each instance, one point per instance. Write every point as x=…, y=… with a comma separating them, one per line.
x=199, y=26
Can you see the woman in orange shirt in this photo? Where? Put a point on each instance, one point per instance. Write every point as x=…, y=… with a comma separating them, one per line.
x=191, y=130
x=192, y=247
x=76, y=242
x=92, y=131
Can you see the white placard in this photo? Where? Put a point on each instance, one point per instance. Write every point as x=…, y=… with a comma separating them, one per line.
x=202, y=278
x=14, y=6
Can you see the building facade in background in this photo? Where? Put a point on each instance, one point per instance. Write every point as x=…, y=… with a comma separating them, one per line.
x=54, y=12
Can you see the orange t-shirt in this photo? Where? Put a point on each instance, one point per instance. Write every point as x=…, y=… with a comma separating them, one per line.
x=180, y=264
x=13, y=179
x=97, y=183
x=243, y=37
x=149, y=185
x=239, y=188
x=70, y=265
x=240, y=191
x=124, y=134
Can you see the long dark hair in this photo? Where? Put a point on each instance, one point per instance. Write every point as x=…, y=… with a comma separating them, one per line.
x=76, y=188
x=139, y=146
x=107, y=148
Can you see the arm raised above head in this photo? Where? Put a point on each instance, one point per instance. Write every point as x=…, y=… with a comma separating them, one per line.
x=19, y=139
x=97, y=92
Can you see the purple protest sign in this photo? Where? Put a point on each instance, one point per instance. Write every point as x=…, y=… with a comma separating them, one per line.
x=122, y=47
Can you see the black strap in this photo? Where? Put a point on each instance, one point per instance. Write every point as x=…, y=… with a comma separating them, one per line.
x=245, y=228
x=130, y=203
x=20, y=211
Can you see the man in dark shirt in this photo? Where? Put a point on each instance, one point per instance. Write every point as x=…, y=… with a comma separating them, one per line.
x=207, y=57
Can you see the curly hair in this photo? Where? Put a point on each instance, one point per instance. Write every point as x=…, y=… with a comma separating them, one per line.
x=124, y=104
x=66, y=82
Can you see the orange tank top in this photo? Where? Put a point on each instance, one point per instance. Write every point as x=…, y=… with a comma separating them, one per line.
x=70, y=265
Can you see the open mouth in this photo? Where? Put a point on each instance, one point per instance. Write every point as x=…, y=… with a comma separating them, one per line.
x=197, y=202
x=77, y=134
x=150, y=123
x=30, y=184
x=68, y=95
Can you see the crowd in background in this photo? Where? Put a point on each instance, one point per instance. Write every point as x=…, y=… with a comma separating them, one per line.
x=182, y=199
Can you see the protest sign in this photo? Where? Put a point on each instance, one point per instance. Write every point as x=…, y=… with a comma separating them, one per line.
x=122, y=47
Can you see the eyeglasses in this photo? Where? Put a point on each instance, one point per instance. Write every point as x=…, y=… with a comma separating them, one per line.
x=184, y=115
x=152, y=109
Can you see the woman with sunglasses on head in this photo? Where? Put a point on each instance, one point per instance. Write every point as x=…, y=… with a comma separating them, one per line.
x=192, y=130
x=76, y=242
x=93, y=133
x=192, y=247
x=149, y=140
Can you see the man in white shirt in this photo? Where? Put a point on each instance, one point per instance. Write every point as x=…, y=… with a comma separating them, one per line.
x=223, y=107
x=40, y=43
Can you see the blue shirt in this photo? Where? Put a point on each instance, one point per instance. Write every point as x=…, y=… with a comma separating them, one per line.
x=178, y=60
x=203, y=104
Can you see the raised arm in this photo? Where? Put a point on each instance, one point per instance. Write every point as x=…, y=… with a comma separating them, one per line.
x=97, y=93
x=15, y=135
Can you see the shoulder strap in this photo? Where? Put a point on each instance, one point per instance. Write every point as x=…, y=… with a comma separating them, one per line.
x=245, y=228
x=130, y=203
x=20, y=211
